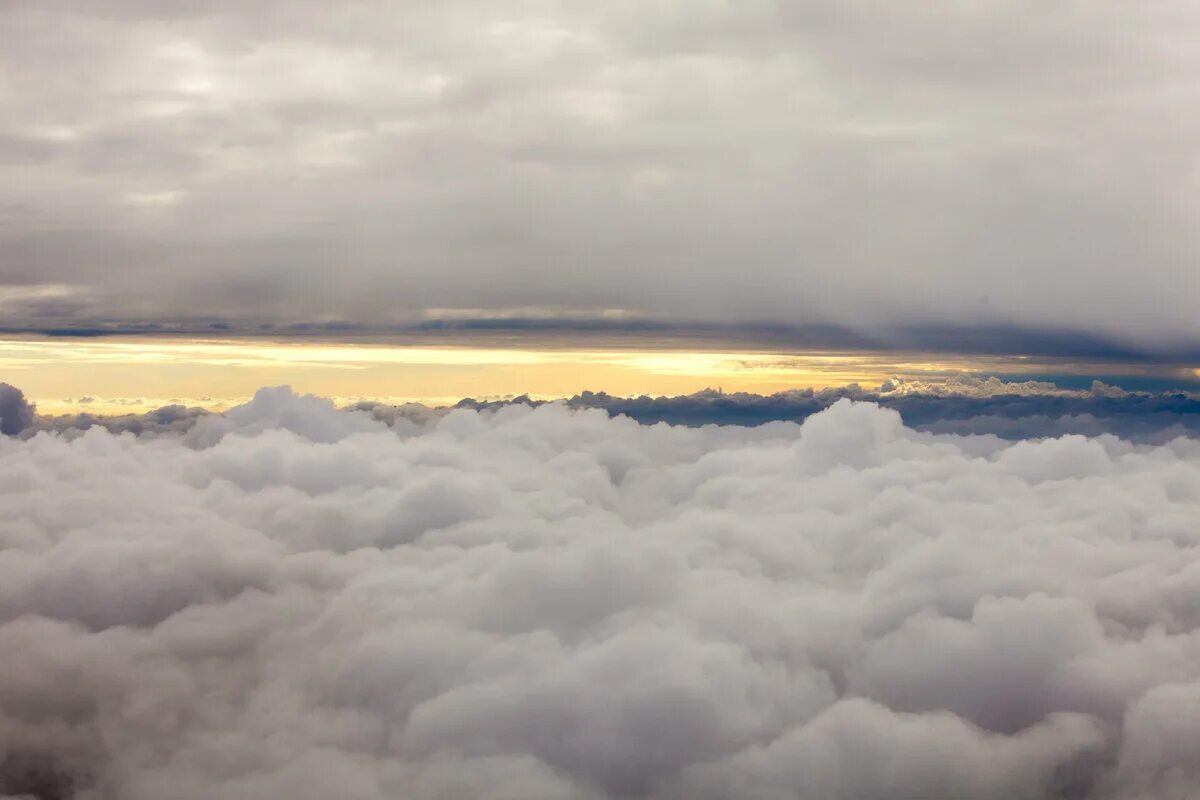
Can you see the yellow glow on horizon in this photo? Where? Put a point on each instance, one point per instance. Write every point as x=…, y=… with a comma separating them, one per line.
x=123, y=375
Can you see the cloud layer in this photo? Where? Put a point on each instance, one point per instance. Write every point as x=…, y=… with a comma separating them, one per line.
x=964, y=405
x=290, y=601
x=838, y=161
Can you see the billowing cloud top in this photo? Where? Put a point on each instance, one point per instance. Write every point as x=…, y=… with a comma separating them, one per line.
x=291, y=601
x=964, y=405
x=864, y=163
x=16, y=413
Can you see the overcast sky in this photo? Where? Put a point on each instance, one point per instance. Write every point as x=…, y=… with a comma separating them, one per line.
x=864, y=164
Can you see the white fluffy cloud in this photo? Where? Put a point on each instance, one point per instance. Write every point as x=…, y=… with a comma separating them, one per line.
x=291, y=601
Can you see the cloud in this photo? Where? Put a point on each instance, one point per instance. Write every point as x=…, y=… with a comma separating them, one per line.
x=828, y=161
x=171, y=419
x=964, y=404
x=16, y=413
x=543, y=602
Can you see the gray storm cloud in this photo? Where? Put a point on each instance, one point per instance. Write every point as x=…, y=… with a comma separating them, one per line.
x=291, y=601
x=16, y=413
x=861, y=163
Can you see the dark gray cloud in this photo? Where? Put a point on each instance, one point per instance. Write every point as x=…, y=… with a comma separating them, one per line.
x=16, y=413
x=168, y=420
x=292, y=601
x=862, y=163
x=1028, y=410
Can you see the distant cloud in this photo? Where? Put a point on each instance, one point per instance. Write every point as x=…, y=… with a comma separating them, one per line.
x=151, y=200
x=292, y=601
x=961, y=405
x=16, y=413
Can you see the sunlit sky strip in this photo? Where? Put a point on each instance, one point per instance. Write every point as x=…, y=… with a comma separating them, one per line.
x=115, y=375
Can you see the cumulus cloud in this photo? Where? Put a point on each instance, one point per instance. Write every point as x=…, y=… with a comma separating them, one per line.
x=295, y=601
x=16, y=413
x=963, y=404
x=170, y=419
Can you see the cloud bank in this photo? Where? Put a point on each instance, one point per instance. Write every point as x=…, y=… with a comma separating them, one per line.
x=964, y=404
x=830, y=161
x=291, y=601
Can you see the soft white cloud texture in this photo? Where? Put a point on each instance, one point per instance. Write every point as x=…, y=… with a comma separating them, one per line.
x=295, y=602
x=858, y=162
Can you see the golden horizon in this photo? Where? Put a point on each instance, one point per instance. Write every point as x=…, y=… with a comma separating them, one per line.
x=135, y=374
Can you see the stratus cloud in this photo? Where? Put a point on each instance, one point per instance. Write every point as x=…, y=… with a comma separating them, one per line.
x=291, y=601
x=826, y=161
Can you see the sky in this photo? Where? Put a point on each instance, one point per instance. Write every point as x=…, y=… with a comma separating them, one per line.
x=1010, y=170
x=114, y=374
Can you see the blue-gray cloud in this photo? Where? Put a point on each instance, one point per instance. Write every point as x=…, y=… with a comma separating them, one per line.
x=16, y=413
x=1009, y=411
x=963, y=405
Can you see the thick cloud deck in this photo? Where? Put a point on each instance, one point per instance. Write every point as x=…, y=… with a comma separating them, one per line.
x=290, y=601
